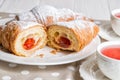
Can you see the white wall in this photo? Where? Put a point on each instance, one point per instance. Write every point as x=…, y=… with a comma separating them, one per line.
x=97, y=9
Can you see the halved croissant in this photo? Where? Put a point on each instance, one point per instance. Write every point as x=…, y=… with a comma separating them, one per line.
x=23, y=38
x=72, y=36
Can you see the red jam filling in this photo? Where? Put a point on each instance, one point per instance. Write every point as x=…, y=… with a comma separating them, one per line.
x=29, y=44
x=64, y=42
x=117, y=15
x=112, y=52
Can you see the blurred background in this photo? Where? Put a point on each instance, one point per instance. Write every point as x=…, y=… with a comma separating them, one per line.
x=97, y=9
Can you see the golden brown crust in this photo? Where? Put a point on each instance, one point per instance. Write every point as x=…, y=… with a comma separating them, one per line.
x=85, y=36
x=9, y=34
x=0, y=33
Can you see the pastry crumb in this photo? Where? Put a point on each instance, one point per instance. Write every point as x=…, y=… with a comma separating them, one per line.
x=54, y=51
x=41, y=55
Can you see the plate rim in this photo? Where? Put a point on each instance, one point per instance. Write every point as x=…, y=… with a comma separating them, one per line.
x=91, y=62
x=46, y=63
x=101, y=33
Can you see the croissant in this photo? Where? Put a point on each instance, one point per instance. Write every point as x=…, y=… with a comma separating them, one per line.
x=0, y=33
x=72, y=35
x=23, y=38
x=48, y=15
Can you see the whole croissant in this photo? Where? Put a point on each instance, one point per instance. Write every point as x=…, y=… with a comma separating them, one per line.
x=48, y=15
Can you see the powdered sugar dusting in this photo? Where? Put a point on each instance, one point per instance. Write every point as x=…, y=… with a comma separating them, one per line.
x=48, y=11
x=27, y=16
x=25, y=24
x=2, y=27
x=48, y=15
x=65, y=13
x=80, y=24
x=43, y=12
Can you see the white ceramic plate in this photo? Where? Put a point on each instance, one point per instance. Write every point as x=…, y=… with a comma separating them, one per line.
x=89, y=70
x=62, y=57
x=107, y=33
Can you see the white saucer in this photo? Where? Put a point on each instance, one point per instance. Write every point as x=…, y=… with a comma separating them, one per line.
x=107, y=33
x=90, y=71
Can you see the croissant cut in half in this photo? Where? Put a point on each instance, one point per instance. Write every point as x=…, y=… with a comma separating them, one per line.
x=23, y=38
x=72, y=36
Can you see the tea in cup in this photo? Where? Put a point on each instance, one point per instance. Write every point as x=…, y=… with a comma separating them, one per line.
x=115, y=21
x=108, y=59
